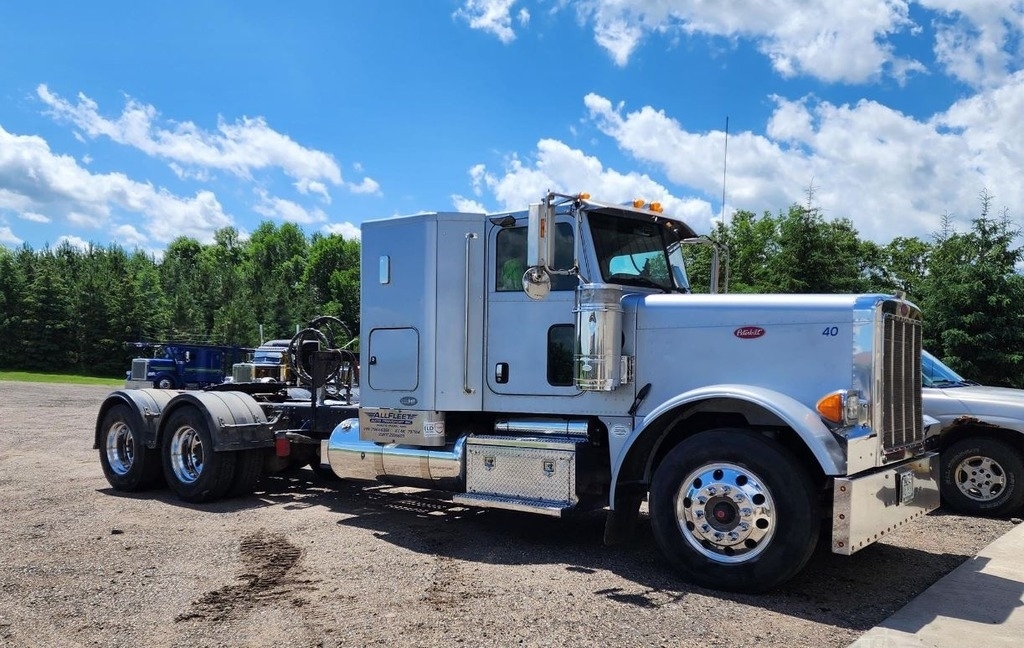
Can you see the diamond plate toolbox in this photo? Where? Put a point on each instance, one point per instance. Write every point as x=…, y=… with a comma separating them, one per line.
x=526, y=468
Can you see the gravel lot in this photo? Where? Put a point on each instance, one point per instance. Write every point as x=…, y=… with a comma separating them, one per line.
x=313, y=563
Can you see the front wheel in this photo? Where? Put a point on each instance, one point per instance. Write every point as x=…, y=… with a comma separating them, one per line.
x=982, y=476
x=127, y=463
x=194, y=471
x=734, y=511
x=164, y=382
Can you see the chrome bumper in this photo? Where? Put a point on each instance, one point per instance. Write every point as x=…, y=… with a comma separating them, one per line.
x=867, y=507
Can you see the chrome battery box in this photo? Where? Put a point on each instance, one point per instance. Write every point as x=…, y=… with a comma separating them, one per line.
x=522, y=473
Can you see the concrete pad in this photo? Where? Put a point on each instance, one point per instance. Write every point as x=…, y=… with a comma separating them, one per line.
x=980, y=603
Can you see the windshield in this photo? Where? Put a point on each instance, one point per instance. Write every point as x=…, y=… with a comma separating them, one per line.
x=936, y=374
x=638, y=253
x=267, y=357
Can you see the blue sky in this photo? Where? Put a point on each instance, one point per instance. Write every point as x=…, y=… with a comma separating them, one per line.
x=135, y=123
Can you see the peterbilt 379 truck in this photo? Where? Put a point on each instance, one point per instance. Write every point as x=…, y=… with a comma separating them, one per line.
x=554, y=361
x=179, y=365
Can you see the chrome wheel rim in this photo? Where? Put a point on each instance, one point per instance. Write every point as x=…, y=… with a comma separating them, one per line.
x=725, y=513
x=980, y=478
x=120, y=448
x=187, y=456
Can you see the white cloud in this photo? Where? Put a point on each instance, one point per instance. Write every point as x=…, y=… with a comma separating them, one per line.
x=562, y=169
x=128, y=236
x=197, y=174
x=306, y=187
x=36, y=180
x=493, y=16
x=286, y=210
x=240, y=148
x=978, y=41
x=88, y=221
x=468, y=205
x=477, y=174
x=347, y=231
x=34, y=217
x=823, y=38
x=889, y=173
x=7, y=236
x=367, y=186
x=78, y=243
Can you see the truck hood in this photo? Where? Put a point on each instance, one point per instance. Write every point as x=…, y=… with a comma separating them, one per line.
x=997, y=405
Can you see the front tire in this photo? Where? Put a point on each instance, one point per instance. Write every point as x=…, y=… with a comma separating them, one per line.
x=194, y=471
x=734, y=511
x=164, y=383
x=982, y=476
x=127, y=463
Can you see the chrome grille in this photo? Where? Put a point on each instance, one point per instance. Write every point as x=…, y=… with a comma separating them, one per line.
x=140, y=366
x=902, y=420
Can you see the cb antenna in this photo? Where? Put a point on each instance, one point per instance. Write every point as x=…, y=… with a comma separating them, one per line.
x=725, y=165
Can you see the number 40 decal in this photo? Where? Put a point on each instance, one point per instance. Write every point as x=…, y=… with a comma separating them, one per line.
x=831, y=331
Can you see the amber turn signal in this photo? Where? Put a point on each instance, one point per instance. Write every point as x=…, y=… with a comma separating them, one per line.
x=832, y=407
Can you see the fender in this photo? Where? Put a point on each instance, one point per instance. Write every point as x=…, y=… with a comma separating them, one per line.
x=803, y=420
x=235, y=419
x=146, y=406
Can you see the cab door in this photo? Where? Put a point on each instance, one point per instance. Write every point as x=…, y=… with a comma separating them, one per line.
x=529, y=344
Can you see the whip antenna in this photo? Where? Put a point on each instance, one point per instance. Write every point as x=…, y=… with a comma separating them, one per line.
x=725, y=163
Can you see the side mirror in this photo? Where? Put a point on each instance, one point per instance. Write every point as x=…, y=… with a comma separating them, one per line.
x=540, y=235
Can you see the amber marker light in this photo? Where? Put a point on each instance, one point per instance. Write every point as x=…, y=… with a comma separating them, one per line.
x=583, y=196
x=638, y=203
x=832, y=406
x=656, y=207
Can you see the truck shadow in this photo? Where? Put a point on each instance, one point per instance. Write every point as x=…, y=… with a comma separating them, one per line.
x=854, y=592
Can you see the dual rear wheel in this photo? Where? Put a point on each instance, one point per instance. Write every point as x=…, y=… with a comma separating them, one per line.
x=186, y=461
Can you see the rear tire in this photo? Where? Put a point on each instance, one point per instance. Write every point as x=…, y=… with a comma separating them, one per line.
x=734, y=511
x=194, y=471
x=248, y=470
x=127, y=463
x=982, y=476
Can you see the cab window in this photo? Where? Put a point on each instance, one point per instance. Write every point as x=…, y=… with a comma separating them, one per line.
x=510, y=258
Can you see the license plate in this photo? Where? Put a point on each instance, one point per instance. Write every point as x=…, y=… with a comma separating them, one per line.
x=906, y=486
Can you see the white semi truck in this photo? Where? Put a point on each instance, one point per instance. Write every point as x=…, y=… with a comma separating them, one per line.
x=554, y=361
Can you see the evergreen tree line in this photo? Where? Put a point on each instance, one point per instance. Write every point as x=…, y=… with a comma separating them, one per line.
x=70, y=310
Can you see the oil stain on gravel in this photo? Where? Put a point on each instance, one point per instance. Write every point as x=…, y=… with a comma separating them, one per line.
x=269, y=558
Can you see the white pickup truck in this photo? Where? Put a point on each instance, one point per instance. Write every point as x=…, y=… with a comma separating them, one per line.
x=982, y=440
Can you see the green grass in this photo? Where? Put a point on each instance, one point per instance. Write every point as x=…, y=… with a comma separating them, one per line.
x=28, y=376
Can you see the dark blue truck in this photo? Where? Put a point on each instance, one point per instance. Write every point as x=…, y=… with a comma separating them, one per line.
x=179, y=365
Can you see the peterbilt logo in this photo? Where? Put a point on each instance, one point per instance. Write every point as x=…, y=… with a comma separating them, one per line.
x=746, y=332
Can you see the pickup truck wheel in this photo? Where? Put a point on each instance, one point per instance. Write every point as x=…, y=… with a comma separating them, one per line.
x=127, y=463
x=194, y=471
x=982, y=476
x=735, y=511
